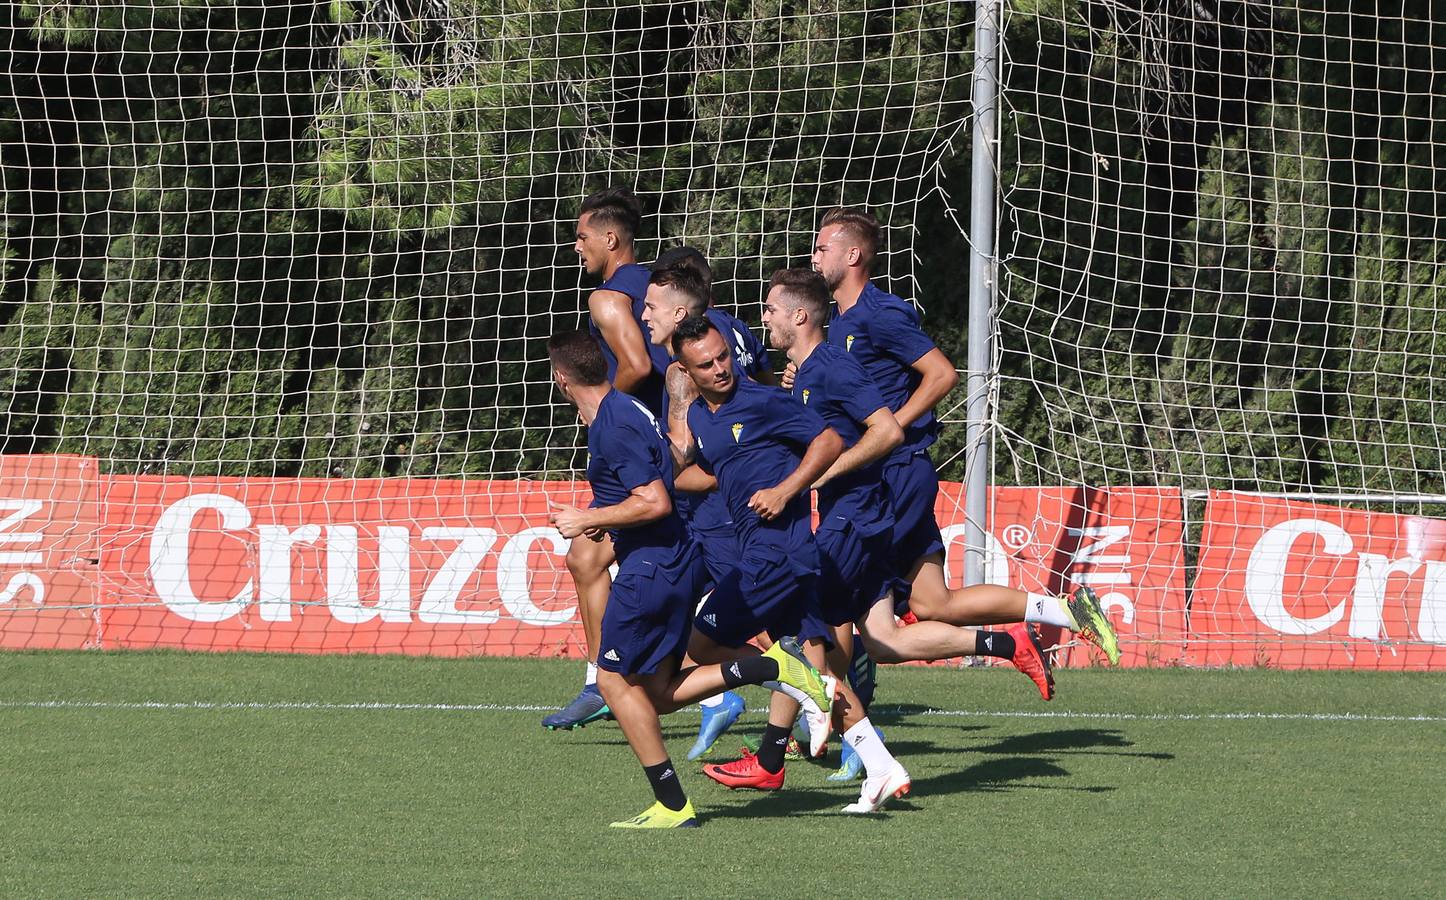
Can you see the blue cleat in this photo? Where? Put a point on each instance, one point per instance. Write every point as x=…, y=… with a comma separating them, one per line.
x=850, y=766
x=588, y=706
x=716, y=720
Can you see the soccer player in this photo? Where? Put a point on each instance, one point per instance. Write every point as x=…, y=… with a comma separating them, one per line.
x=856, y=521
x=647, y=617
x=882, y=333
x=607, y=223
x=763, y=450
x=681, y=286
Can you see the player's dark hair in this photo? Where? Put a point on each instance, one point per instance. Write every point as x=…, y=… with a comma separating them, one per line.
x=686, y=257
x=578, y=355
x=693, y=328
x=686, y=282
x=858, y=224
x=806, y=288
x=617, y=208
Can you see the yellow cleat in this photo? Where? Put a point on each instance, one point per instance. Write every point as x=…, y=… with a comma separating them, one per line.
x=659, y=816
x=800, y=674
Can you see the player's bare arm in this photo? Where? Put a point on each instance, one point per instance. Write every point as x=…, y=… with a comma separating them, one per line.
x=612, y=313
x=939, y=378
x=645, y=504
x=822, y=452
x=681, y=394
x=882, y=434
x=694, y=480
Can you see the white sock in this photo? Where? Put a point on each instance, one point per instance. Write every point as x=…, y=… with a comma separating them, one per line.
x=715, y=700
x=803, y=699
x=876, y=757
x=1047, y=610
x=591, y=678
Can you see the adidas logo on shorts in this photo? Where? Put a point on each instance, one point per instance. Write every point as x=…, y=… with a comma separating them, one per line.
x=612, y=655
x=711, y=619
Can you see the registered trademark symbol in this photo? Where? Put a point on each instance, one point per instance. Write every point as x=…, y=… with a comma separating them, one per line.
x=1016, y=537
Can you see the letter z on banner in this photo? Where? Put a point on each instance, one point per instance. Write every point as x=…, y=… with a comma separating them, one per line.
x=1305, y=585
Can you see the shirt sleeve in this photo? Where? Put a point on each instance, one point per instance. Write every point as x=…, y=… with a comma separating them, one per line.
x=895, y=332
x=625, y=453
x=857, y=395
x=701, y=459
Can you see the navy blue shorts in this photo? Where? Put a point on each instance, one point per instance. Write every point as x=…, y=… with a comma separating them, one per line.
x=649, y=615
x=720, y=550
x=913, y=486
x=764, y=592
x=857, y=570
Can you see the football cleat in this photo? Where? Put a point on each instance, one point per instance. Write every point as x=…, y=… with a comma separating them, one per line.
x=659, y=816
x=716, y=720
x=1029, y=658
x=815, y=727
x=798, y=673
x=877, y=790
x=744, y=772
x=586, y=707
x=1091, y=623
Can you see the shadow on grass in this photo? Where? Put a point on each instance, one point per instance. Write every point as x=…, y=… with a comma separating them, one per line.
x=1070, y=740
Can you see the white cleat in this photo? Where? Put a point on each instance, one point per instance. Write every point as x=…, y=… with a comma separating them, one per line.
x=819, y=722
x=878, y=790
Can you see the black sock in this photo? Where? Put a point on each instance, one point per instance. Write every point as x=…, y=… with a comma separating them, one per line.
x=666, y=787
x=994, y=643
x=749, y=670
x=770, y=751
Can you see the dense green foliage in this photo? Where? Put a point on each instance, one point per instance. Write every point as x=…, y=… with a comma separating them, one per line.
x=328, y=239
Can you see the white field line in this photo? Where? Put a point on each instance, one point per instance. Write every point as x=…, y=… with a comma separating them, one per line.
x=205, y=705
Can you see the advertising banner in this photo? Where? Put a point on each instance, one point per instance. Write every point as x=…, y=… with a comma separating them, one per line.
x=1305, y=585
x=1125, y=543
x=48, y=552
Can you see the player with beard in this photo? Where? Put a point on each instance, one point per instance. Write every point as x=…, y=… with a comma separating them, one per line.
x=763, y=451
x=883, y=334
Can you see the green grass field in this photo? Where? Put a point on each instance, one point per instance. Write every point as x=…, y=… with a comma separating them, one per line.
x=133, y=774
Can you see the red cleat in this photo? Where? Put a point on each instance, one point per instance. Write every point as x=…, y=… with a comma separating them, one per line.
x=1029, y=658
x=744, y=773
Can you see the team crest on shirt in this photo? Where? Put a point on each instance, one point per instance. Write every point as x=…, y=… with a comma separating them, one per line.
x=805, y=396
x=737, y=430
x=849, y=344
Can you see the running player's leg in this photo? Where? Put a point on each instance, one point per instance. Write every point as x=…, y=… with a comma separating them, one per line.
x=890, y=642
x=719, y=544
x=587, y=562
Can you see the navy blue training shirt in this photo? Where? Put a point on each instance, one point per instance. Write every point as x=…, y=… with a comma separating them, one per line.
x=882, y=333
x=708, y=512
x=835, y=386
x=754, y=440
x=626, y=450
x=631, y=279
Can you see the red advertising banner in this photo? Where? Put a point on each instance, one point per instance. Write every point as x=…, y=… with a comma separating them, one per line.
x=330, y=565
x=1304, y=585
x=48, y=552
x=1125, y=543
x=472, y=567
